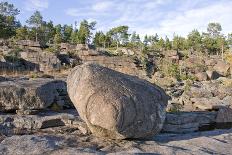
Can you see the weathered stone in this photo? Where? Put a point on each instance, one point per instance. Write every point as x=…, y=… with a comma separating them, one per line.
x=30, y=94
x=185, y=122
x=41, y=61
x=67, y=46
x=202, y=76
x=29, y=144
x=222, y=67
x=198, y=92
x=210, y=142
x=212, y=75
x=29, y=43
x=116, y=105
x=224, y=115
x=207, y=103
x=119, y=63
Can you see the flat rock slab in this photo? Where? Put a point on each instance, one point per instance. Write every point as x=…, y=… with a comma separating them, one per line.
x=212, y=142
x=31, y=94
x=48, y=119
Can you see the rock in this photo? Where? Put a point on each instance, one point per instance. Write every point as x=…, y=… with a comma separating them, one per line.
x=159, y=74
x=31, y=94
x=80, y=47
x=212, y=75
x=222, y=68
x=29, y=144
x=207, y=143
x=42, y=120
x=122, y=64
x=116, y=105
x=198, y=92
x=224, y=115
x=41, y=61
x=172, y=55
x=194, y=64
x=125, y=51
x=186, y=122
x=202, y=76
x=67, y=46
x=3, y=79
x=28, y=43
x=206, y=103
x=210, y=62
x=88, y=53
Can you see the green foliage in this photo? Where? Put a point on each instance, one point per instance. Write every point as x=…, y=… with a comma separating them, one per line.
x=14, y=55
x=194, y=40
x=67, y=31
x=36, y=21
x=179, y=43
x=188, y=84
x=174, y=71
x=119, y=35
x=84, y=34
x=99, y=39
x=22, y=33
x=8, y=23
x=168, y=44
x=58, y=35
x=160, y=44
x=214, y=29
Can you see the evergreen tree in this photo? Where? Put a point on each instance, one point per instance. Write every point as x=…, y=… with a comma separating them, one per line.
x=168, y=44
x=194, y=40
x=84, y=33
x=22, y=33
x=8, y=23
x=36, y=21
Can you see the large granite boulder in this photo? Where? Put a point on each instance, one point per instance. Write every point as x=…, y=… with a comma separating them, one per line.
x=32, y=94
x=116, y=105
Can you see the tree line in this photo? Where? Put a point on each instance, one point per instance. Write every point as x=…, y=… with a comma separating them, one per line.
x=212, y=41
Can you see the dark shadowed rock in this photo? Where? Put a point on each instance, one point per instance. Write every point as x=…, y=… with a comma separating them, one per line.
x=31, y=94
x=212, y=75
x=116, y=105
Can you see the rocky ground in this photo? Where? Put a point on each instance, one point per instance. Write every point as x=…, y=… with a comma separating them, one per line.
x=37, y=116
x=64, y=133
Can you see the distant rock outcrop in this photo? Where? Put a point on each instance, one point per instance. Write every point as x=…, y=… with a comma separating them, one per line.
x=32, y=94
x=116, y=105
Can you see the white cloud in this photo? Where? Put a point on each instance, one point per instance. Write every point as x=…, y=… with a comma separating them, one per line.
x=183, y=22
x=32, y=5
x=157, y=16
x=102, y=6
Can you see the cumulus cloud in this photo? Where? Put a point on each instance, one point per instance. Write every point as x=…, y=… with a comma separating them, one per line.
x=102, y=6
x=32, y=5
x=183, y=22
x=157, y=16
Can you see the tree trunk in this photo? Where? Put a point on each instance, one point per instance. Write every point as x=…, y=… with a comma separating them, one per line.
x=36, y=36
x=222, y=51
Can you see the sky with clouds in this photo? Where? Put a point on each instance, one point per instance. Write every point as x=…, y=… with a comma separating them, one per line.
x=143, y=16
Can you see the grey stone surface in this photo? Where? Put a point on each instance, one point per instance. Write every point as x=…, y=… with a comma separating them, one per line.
x=207, y=143
x=116, y=105
x=186, y=122
x=31, y=94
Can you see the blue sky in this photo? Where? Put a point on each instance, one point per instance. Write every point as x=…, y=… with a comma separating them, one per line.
x=143, y=16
